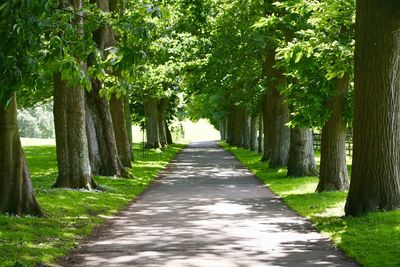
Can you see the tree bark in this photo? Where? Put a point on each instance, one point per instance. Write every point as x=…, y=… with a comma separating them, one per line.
x=238, y=127
x=103, y=152
x=17, y=196
x=128, y=121
x=260, y=134
x=71, y=140
x=170, y=141
x=222, y=129
x=375, y=181
x=121, y=135
x=276, y=116
x=230, y=126
x=245, y=135
x=253, y=132
x=301, y=154
x=152, y=131
x=162, y=107
x=333, y=174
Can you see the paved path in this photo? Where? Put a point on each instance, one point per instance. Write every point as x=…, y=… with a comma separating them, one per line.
x=208, y=210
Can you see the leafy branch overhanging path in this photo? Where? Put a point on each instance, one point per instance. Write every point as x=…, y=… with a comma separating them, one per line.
x=207, y=210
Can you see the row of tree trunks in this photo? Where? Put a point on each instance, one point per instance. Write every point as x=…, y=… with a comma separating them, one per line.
x=238, y=127
x=157, y=131
x=16, y=192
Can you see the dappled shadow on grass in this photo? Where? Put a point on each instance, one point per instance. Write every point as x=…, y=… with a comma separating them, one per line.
x=70, y=214
x=373, y=239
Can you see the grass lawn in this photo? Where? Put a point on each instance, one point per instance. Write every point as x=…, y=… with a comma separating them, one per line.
x=372, y=240
x=70, y=214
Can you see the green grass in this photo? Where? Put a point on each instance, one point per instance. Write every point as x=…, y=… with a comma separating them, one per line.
x=70, y=214
x=372, y=240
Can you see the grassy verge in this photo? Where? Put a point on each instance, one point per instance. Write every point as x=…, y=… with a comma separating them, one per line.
x=71, y=214
x=372, y=240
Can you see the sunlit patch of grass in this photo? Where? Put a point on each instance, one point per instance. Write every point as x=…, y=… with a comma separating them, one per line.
x=70, y=214
x=372, y=240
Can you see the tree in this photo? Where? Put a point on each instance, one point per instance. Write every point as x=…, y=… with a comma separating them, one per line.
x=318, y=65
x=20, y=26
x=16, y=191
x=375, y=181
x=74, y=169
x=104, y=155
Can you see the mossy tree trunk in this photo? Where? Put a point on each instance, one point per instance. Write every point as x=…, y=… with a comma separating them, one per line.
x=375, y=181
x=17, y=196
x=333, y=174
x=301, y=160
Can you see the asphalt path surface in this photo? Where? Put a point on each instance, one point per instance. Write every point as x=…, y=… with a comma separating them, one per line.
x=206, y=209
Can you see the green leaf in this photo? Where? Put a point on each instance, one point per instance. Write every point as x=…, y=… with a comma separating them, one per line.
x=299, y=55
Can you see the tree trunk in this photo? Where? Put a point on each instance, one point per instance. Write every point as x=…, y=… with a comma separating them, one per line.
x=253, y=132
x=230, y=127
x=245, y=135
x=170, y=141
x=103, y=152
x=17, y=196
x=276, y=116
x=152, y=131
x=238, y=127
x=128, y=121
x=301, y=154
x=260, y=134
x=333, y=169
x=222, y=129
x=162, y=107
x=375, y=182
x=71, y=140
x=121, y=136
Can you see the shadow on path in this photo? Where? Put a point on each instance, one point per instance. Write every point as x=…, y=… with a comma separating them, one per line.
x=208, y=210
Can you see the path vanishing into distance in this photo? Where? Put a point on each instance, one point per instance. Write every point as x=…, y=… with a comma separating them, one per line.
x=207, y=210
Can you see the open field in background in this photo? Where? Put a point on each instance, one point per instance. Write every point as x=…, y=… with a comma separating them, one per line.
x=193, y=131
x=201, y=130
